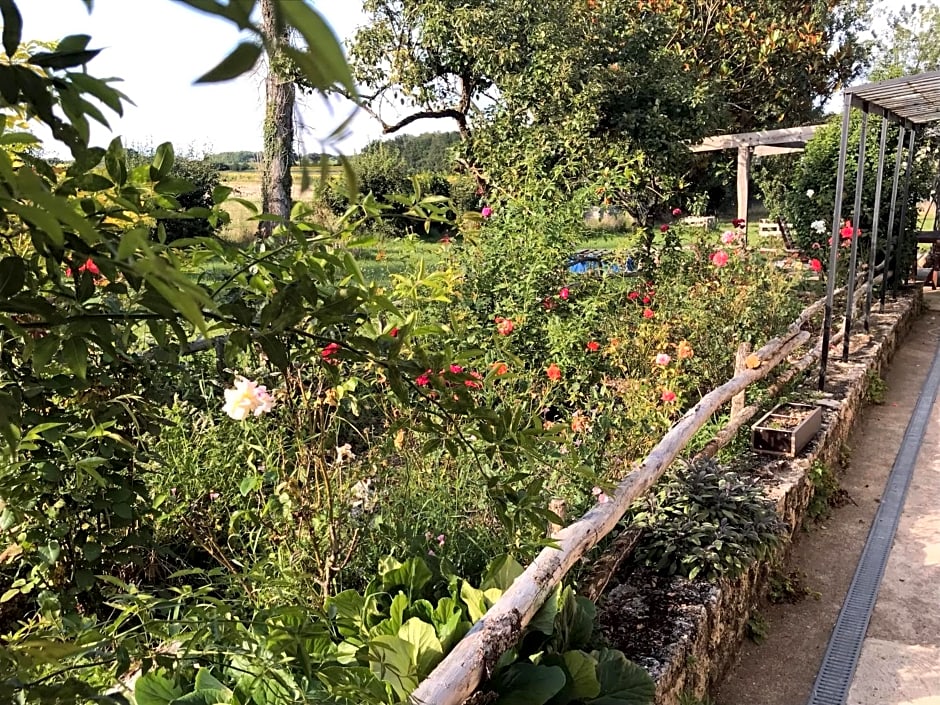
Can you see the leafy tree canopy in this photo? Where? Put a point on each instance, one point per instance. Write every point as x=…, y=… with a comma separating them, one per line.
x=626, y=82
x=911, y=43
x=429, y=152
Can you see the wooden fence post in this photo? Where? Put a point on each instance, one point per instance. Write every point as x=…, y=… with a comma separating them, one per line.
x=740, y=365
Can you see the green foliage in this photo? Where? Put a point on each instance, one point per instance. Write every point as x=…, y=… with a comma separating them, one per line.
x=145, y=528
x=431, y=152
x=807, y=193
x=241, y=161
x=757, y=628
x=201, y=177
x=826, y=491
x=789, y=587
x=875, y=388
x=562, y=80
x=705, y=521
x=375, y=646
x=910, y=45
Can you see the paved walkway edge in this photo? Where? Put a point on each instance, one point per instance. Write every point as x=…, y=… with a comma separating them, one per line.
x=845, y=645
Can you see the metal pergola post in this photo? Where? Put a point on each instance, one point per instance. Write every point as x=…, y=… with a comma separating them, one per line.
x=834, y=242
x=889, y=234
x=873, y=249
x=907, y=189
x=856, y=215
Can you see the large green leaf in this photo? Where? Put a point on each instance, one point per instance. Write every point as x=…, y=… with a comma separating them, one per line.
x=12, y=276
x=75, y=354
x=206, y=681
x=392, y=660
x=622, y=681
x=582, y=675
x=412, y=575
x=63, y=59
x=500, y=573
x=428, y=648
x=242, y=59
x=12, y=27
x=528, y=684
x=325, y=64
x=155, y=689
x=163, y=160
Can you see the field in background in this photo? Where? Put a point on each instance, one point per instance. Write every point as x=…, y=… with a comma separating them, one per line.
x=389, y=256
x=247, y=185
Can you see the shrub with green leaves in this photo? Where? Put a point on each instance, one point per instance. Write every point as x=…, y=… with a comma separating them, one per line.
x=374, y=647
x=704, y=521
x=804, y=191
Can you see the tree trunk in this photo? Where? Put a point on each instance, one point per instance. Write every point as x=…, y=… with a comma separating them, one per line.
x=278, y=125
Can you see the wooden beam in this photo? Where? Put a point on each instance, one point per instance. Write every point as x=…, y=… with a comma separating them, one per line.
x=753, y=139
x=768, y=150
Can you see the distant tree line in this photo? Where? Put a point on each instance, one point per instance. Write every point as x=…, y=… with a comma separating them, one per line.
x=431, y=152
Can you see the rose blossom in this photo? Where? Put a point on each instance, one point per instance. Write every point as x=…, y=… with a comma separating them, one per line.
x=247, y=397
x=719, y=258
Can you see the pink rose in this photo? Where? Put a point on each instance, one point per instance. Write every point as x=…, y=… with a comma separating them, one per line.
x=719, y=258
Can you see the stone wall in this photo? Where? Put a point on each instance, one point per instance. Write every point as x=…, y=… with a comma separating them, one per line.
x=687, y=633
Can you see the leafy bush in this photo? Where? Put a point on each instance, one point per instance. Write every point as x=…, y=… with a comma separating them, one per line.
x=804, y=192
x=705, y=521
x=374, y=647
x=196, y=180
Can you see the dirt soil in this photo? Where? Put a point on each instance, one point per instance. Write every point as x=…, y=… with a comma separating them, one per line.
x=781, y=670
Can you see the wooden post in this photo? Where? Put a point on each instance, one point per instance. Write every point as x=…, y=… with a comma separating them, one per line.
x=740, y=365
x=744, y=175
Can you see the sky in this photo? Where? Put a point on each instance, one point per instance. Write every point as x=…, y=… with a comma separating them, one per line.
x=159, y=47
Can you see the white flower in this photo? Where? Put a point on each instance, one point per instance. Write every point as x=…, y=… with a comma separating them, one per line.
x=363, y=497
x=818, y=226
x=344, y=453
x=810, y=193
x=245, y=398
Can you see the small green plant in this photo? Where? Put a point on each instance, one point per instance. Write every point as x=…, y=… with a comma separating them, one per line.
x=706, y=521
x=825, y=491
x=789, y=587
x=757, y=628
x=876, y=388
x=689, y=698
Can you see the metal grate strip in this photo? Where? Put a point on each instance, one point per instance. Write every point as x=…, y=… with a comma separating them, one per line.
x=845, y=645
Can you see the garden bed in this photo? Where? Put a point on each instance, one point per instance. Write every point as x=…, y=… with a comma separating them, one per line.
x=687, y=633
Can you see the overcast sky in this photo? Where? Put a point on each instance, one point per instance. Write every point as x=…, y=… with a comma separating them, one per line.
x=159, y=47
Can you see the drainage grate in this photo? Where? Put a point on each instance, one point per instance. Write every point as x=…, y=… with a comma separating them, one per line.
x=845, y=645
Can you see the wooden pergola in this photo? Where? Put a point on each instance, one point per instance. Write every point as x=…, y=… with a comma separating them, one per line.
x=757, y=144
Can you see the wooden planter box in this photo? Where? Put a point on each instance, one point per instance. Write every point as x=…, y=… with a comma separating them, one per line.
x=786, y=429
